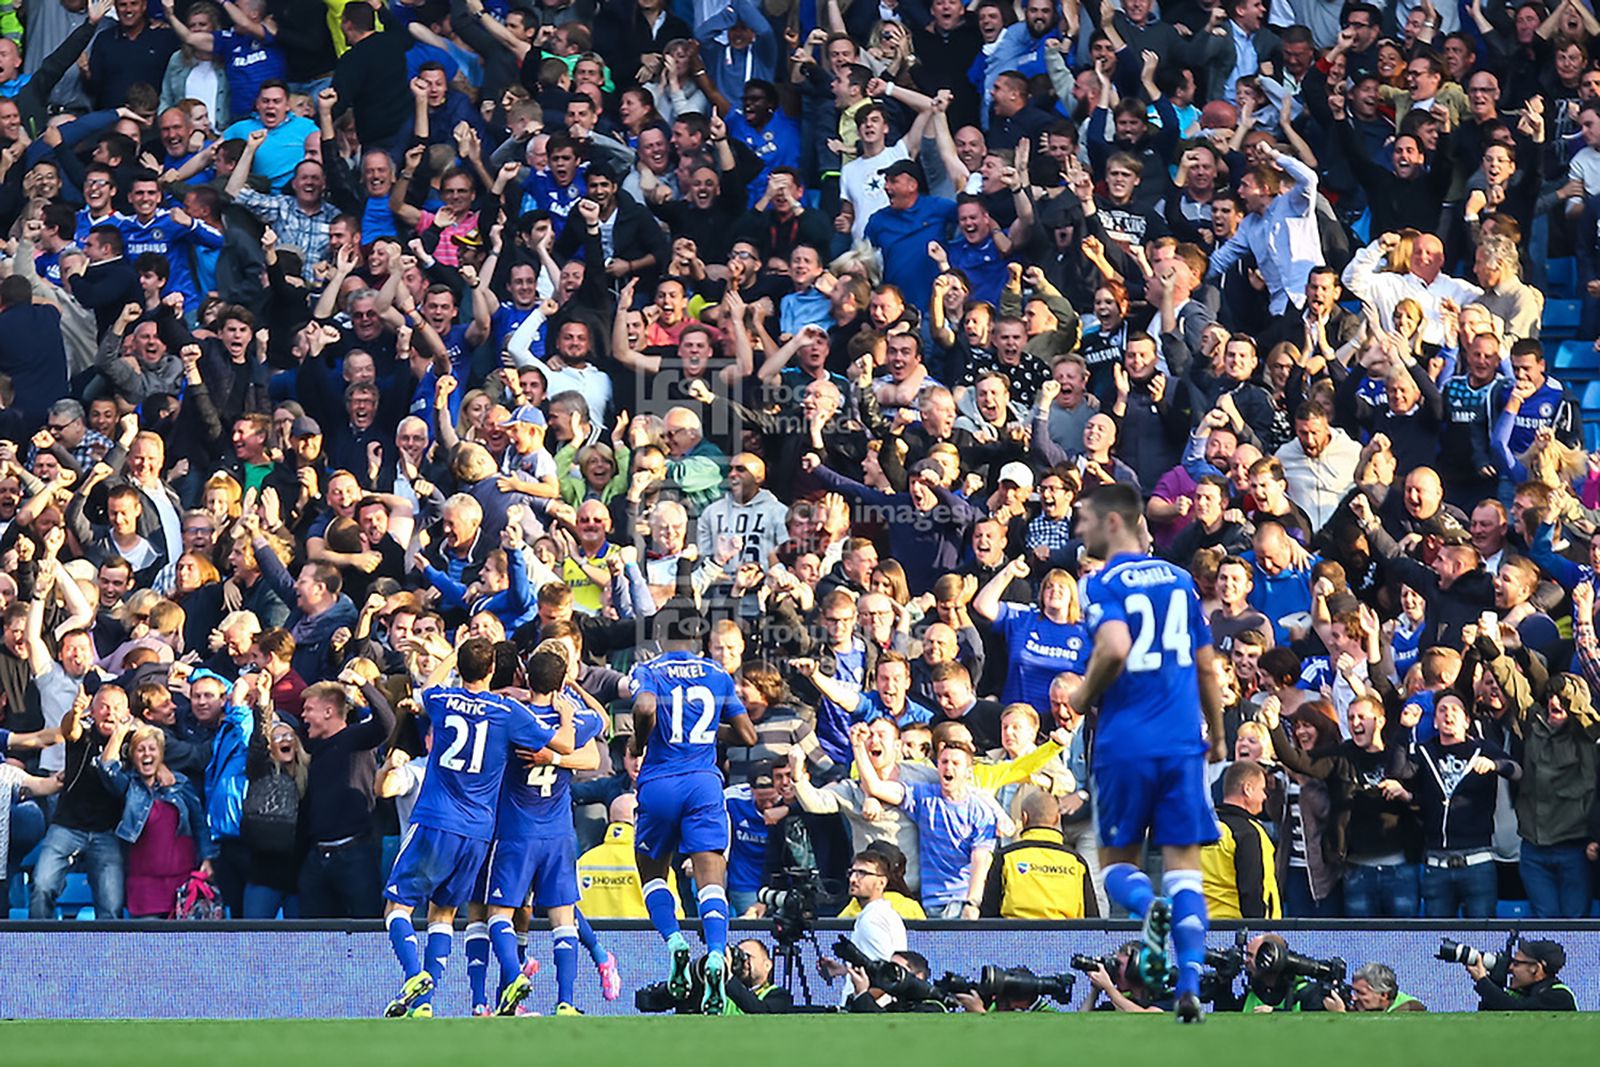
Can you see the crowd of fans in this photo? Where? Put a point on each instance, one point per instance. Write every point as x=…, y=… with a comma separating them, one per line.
x=334, y=332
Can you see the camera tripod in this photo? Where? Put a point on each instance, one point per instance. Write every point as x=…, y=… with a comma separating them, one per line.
x=787, y=951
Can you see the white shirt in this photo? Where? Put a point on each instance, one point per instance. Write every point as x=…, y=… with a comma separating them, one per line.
x=1382, y=290
x=1318, y=485
x=1285, y=239
x=861, y=183
x=879, y=933
x=171, y=523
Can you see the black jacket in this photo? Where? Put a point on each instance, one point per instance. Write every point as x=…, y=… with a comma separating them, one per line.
x=1364, y=822
x=1548, y=995
x=370, y=79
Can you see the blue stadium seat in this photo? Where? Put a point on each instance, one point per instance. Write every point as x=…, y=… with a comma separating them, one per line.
x=1590, y=401
x=1591, y=436
x=1512, y=909
x=1561, y=277
x=75, y=897
x=1561, y=317
x=1577, y=359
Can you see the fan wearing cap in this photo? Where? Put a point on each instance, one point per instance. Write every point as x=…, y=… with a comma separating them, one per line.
x=1530, y=978
x=748, y=805
x=902, y=231
x=527, y=466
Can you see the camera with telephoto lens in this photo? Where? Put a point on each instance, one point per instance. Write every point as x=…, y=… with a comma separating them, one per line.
x=655, y=999
x=1275, y=962
x=791, y=902
x=1086, y=964
x=1498, y=964
x=1222, y=968
x=1012, y=986
x=889, y=976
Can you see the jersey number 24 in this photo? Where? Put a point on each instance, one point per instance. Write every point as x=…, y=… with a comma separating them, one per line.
x=1145, y=656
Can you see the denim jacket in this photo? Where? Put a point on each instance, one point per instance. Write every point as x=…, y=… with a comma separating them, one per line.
x=138, y=799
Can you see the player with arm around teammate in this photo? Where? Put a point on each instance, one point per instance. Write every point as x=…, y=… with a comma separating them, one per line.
x=534, y=859
x=681, y=702
x=454, y=818
x=1150, y=669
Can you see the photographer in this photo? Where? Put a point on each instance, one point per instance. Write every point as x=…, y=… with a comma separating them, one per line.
x=1274, y=987
x=750, y=988
x=1374, y=988
x=1121, y=984
x=865, y=999
x=1532, y=983
x=879, y=932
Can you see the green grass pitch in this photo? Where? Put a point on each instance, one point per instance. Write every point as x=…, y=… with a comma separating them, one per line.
x=883, y=1041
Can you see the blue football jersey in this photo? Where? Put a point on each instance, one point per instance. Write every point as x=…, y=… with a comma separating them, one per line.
x=472, y=738
x=693, y=697
x=536, y=800
x=1153, y=707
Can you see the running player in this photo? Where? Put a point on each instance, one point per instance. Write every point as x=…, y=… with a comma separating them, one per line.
x=453, y=821
x=1151, y=670
x=535, y=843
x=679, y=701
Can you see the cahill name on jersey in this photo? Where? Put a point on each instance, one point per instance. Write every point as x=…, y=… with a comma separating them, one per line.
x=1153, y=706
x=693, y=697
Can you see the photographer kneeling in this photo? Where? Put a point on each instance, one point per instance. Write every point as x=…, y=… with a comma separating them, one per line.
x=1531, y=980
x=1374, y=988
x=1280, y=980
x=901, y=984
x=1118, y=978
x=750, y=988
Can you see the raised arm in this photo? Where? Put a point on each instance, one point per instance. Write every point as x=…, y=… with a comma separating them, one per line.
x=987, y=602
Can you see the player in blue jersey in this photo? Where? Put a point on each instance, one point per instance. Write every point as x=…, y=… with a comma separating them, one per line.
x=681, y=701
x=454, y=817
x=1151, y=671
x=535, y=843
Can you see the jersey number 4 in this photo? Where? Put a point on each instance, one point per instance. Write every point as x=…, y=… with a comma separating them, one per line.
x=704, y=730
x=543, y=779
x=1174, y=632
x=462, y=731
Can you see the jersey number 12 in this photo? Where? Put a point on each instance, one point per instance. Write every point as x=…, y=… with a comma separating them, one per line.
x=1174, y=632
x=460, y=732
x=704, y=731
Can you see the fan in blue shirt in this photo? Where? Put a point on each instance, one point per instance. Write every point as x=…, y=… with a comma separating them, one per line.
x=903, y=230
x=956, y=827
x=170, y=234
x=1151, y=669
x=454, y=817
x=680, y=701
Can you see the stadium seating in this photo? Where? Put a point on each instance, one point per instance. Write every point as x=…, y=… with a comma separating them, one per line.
x=1561, y=277
x=76, y=898
x=1560, y=318
x=1577, y=361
